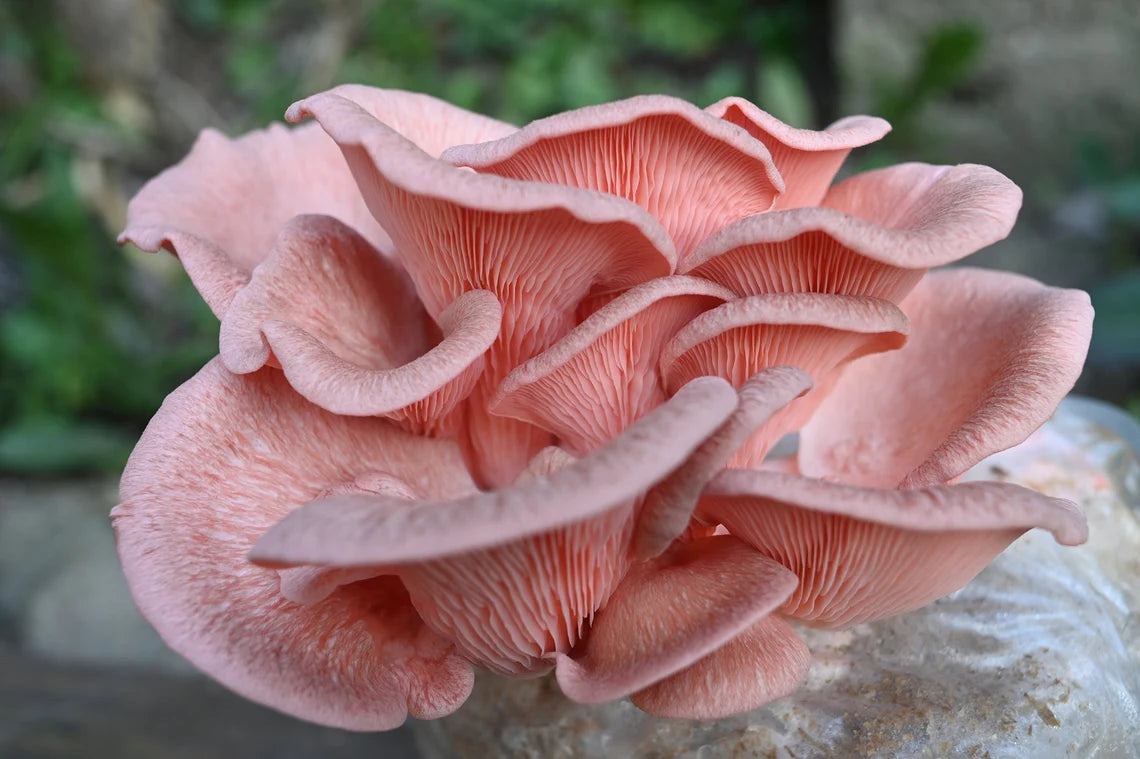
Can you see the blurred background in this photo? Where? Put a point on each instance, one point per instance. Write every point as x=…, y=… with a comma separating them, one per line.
x=96, y=96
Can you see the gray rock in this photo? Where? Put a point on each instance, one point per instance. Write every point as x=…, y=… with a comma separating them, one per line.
x=1038, y=657
x=83, y=675
x=62, y=594
x=84, y=613
x=50, y=710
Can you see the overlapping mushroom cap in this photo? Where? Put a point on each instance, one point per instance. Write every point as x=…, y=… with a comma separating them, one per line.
x=503, y=398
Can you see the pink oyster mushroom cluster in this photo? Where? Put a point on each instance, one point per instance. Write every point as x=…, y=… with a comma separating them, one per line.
x=503, y=398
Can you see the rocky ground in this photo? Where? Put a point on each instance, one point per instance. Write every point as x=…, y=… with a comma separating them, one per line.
x=83, y=675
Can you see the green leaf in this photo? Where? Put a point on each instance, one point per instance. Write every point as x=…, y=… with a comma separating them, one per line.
x=948, y=58
x=784, y=93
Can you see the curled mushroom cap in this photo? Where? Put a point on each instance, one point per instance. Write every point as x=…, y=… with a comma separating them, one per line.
x=815, y=332
x=358, y=530
x=192, y=505
x=764, y=663
x=693, y=172
x=806, y=159
x=344, y=324
x=990, y=356
x=862, y=554
x=193, y=209
x=875, y=234
x=672, y=612
x=504, y=398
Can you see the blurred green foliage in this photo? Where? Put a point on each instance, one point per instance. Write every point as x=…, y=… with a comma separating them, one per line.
x=1115, y=185
x=84, y=357
x=948, y=59
x=92, y=338
x=949, y=56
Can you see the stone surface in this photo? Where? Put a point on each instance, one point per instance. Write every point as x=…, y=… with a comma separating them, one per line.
x=51, y=710
x=1053, y=75
x=62, y=594
x=1038, y=657
x=83, y=675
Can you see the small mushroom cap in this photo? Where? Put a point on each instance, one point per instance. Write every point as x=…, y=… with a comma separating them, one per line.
x=763, y=664
x=602, y=376
x=875, y=235
x=866, y=553
x=990, y=356
x=807, y=159
x=670, y=613
x=817, y=333
x=692, y=171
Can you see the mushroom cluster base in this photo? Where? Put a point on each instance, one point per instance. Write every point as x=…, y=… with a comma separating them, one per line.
x=1039, y=656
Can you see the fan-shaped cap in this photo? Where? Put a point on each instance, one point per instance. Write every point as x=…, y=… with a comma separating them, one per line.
x=224, y=458
x=814, y=332
x=692, y=171
x=975, y=203
x=432, y=124
x=511, y=576
x=598, y=379
x=511, y=608
x=806, y=159
x=360, y=530
x=455, y=229
x=671, y=612
x=196, y=209
x=863, y=553
x=880, y=232
x=991, y=354
x=764, y=663
x=811, y=331
x=507, y=608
